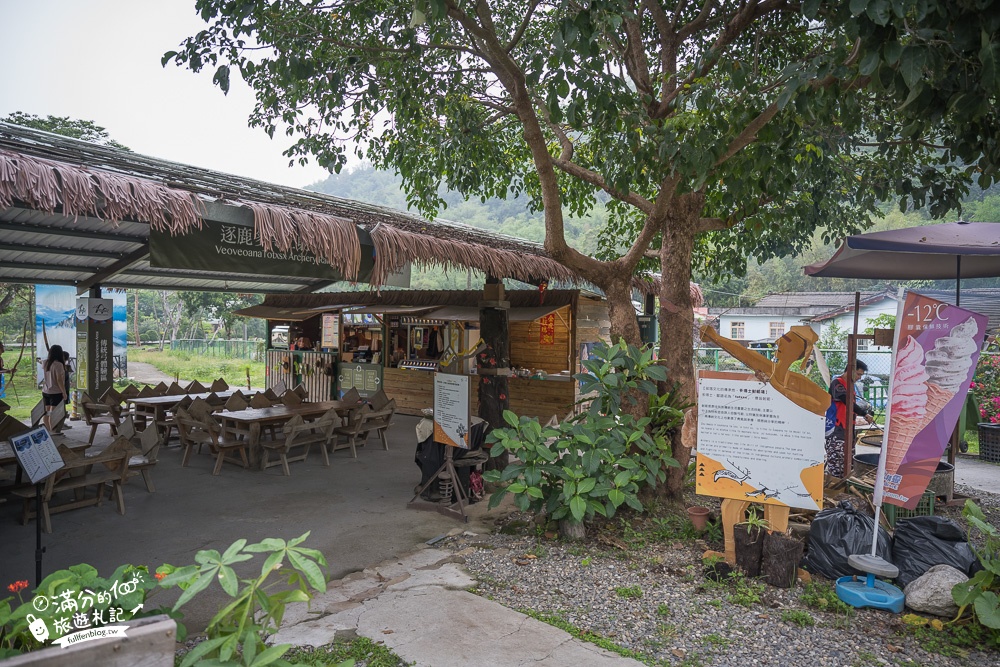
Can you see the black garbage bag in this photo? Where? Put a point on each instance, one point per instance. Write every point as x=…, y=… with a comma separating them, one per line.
x=840, y=532
x=922, y=542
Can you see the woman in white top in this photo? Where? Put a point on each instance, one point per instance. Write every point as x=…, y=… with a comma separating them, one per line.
x=54, y=390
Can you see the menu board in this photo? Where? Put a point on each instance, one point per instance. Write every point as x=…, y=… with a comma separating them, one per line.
x=330, y=334
x=37, y=454
x=755, y=444
x=451, y=409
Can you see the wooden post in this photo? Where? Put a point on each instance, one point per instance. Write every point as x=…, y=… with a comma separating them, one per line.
x=493, y=364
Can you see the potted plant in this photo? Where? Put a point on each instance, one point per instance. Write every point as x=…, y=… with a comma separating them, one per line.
x=698, y=516
x=748, y=537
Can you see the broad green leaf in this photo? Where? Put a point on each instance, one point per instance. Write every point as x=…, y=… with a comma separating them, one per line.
x=987, y=608
x=616, y=497
x=578, y=506
x=586, y=485
x=199, y=584
x=228, y=580
x=510, y=418
x=268, y=544
x=309, y=569
x=271, y=655
x=516, y=487
x=233, y=549
x=202, y=649
x=534, y=492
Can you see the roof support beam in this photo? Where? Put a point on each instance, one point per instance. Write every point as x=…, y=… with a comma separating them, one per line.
x=64, y=231
x=122, y=264
x=51, y=250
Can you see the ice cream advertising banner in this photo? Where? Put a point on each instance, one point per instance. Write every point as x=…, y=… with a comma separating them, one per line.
x=937, y=347
x=755, y=444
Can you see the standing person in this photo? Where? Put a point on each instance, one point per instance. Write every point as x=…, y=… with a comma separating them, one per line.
x=54, y=390
x=69, y=372
x=836, y=418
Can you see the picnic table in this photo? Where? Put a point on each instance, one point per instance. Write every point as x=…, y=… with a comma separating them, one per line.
x=155, y=408
x=251, y=422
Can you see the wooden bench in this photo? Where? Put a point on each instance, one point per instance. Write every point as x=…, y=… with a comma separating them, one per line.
x=300, y=433
x=96, y=414
x=364, y=421
x=78, y=475
x=199, y=432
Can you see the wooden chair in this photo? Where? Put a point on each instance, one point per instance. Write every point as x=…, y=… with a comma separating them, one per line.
x=299, y=433
x=197, y=432
x=129, y=391
x=351, y=396
x=160, y=389
x=236, y=402
x=279, y=388
x=196, y=388
x=215, y=401
x=219, y=385
x=145, y=457
x=260, y=400
x=96, y=414
x=200, y=408
x=175, y=389
x=271, y=394
x=146, y=392
x=362, y=422
x=166, y=425
x=291, y=399
x=301, y=391
x=378, y=400
x=112, y=397
x=78, y=475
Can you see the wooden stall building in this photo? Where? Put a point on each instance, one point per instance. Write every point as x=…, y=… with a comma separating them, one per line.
x=395, y=340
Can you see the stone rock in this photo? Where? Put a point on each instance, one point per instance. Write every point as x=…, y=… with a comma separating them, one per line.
x=931, y=592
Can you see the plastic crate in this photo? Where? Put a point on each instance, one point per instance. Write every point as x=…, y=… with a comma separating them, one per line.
x=894, y=513
x=989, y=442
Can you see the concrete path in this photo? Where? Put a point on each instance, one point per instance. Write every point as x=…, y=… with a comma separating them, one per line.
x=147, y=373
x=418, y=606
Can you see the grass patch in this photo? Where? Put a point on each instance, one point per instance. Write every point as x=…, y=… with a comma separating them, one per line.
x=629, y=591
x=803, y=619
x=188, y=366
x=663, y=610
x=361, y=650
x=824, y=598
x=586, y=635
x=715, y=639
x=954, y=640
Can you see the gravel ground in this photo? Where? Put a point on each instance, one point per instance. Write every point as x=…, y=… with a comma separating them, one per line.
x=640, y=583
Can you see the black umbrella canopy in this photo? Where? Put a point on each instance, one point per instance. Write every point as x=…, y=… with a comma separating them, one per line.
x=932, y=252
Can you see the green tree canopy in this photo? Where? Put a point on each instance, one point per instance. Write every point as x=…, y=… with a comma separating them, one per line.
x=716, y=130
x=87, y=130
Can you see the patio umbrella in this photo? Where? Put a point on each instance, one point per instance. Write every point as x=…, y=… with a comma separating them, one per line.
x=932, y=252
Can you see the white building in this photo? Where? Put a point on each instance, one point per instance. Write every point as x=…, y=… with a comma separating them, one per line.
x=775, y=314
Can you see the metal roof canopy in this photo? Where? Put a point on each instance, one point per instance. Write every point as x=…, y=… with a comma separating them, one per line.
x=55, y=249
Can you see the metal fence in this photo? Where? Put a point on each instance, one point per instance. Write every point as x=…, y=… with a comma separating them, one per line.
x=252, y=350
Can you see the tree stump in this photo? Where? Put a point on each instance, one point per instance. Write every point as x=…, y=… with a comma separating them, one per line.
x=749, y=543
x=781, y=559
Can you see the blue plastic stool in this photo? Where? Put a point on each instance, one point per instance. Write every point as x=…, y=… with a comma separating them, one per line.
x=871, y=592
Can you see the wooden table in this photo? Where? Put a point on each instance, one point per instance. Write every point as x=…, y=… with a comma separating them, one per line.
x=156, y=407
x=250, y=422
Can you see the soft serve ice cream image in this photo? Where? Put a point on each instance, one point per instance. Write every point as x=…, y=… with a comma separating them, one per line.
x=908, y=411
x=948, y=366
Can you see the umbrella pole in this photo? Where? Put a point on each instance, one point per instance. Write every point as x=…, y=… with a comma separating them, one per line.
x=958, y=281
x=953, y=444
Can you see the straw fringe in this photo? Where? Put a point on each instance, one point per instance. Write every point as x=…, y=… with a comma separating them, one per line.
x=46, y=185
x=328, y=237
x=395, y=247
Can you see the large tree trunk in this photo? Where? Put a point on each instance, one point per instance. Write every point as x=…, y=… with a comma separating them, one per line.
x=677, y=322
x=624, y=324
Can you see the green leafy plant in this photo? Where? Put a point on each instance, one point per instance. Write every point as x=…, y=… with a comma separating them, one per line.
x=629, y=591
x=980, y=592
x=64, y=593
x=803, y=619
x=596, y=461
x=238, y=633
x=824, y=598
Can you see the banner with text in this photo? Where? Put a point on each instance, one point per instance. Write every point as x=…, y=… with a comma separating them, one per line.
x=937, y=347
x=755, y=444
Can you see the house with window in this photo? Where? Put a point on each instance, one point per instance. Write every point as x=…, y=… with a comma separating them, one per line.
x=769, y=318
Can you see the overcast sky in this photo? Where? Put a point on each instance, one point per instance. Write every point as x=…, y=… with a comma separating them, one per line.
x=99, y=60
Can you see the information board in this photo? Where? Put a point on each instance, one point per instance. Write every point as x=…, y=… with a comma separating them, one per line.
x=757, y=445
x=37, y=454
x=330, y=334
x=451, y=410
x=366, y=378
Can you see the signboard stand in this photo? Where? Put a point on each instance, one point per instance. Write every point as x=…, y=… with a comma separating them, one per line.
x=38, y=457
x=451, y=428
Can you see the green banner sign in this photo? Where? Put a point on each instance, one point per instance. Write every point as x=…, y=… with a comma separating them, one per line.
x=234, y=248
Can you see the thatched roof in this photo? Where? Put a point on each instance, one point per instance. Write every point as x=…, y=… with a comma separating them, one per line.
x=52, y=173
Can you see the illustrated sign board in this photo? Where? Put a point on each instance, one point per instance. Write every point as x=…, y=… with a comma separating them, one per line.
x=937, y=348
x=36, y=453
x=451, y=410
x=366, y=378
x=755, y=444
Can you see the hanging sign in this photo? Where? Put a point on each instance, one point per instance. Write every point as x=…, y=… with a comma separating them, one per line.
x=547, y=334
x=755, y=444
x=937, y=348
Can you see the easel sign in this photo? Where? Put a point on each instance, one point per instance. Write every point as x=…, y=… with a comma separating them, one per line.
x=37, y=453
x=756, y=444
x=451, y=410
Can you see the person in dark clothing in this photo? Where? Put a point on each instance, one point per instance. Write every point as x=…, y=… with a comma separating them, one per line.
x=836, y=430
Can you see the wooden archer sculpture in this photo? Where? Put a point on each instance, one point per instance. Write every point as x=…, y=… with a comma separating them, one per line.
x=796, y=345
